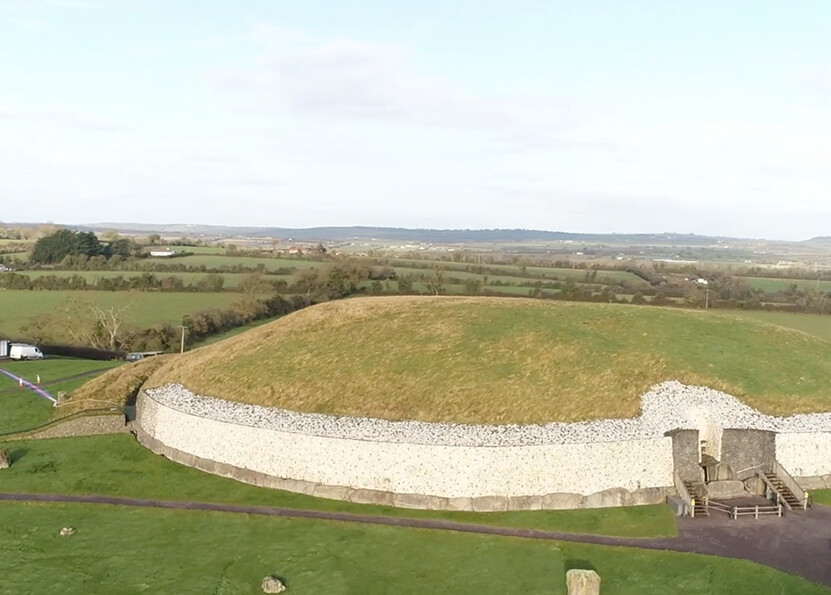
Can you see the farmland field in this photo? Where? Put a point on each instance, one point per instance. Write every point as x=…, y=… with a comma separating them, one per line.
x=145, y=308
x=771, y=284
x=218, y=260
x=231, y=279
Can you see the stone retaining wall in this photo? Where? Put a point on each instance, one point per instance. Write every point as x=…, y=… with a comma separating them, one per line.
x=416, y=475
x=805, y=454
x=607, y=462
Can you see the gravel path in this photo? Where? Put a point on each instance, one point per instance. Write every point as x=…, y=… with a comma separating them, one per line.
x=667, y=406
x=799, y=543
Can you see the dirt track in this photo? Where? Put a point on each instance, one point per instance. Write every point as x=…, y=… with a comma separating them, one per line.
x=798, y=544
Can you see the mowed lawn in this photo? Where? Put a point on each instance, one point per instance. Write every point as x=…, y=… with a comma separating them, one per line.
x=18, y=307
x=129, y=550
x=502, y=360
x=116, y=465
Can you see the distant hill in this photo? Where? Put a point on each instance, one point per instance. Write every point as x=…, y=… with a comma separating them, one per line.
x=444, y=236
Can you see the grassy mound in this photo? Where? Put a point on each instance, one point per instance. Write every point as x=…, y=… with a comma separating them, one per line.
x=499, y=360
x=115, y=387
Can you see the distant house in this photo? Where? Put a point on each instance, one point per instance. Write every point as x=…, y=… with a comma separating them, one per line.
x=162, y=253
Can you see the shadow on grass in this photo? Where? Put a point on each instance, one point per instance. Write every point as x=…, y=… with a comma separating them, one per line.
x=577, y=564
x=17, y=454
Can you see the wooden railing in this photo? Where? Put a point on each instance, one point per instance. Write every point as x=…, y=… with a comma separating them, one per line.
x=684, y=494
x=790, y=483
x=735, y=512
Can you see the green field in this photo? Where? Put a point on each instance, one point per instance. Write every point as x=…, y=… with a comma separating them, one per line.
x=501, y=360
x=772, y=284
x=231, y=279
x=17, y=307
x=219, y=260
x=812, y=324
x=21, y=408
x=116, y=550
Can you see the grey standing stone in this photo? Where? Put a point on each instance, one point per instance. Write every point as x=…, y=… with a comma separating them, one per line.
x=5, y=459
x=272, y=584
x=582, y=582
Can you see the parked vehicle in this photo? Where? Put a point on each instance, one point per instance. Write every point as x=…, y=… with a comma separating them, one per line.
x=22, y=351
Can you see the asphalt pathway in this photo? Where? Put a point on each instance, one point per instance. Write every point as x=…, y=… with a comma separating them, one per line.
x=799, y=543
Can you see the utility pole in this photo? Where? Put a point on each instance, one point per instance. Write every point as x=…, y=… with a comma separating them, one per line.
x=184, y=328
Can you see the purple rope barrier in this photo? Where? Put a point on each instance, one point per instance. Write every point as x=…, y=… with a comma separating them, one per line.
x=39, y=391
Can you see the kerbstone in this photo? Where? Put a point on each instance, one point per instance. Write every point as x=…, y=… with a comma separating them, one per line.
x=378, y=497
x=489, y=503
x=730, y=488
x=332, y=492
x=811, y=483
x=608, y=498
x=525, y=503
x=562, y=501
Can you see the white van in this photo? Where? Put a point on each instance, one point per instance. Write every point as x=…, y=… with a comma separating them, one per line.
x=22, y=351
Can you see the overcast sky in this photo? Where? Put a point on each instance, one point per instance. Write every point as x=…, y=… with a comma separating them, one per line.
x=590, y=115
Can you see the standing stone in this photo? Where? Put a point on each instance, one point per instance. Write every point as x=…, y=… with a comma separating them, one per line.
x=5, y=459
x=583, y=582
x=272, y=584
x=61, y=398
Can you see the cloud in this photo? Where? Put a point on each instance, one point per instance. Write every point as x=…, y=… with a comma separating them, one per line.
x=345, y=79
x=68, y=119
x=29, y=24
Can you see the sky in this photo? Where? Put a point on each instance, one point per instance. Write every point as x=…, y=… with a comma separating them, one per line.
x=706, y=117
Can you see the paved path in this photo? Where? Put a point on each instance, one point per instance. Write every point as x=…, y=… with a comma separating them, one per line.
x=798, y=544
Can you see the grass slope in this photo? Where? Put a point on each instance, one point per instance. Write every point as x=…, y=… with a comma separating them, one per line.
x=501, y=360
x=115, y=387
x=117, y=465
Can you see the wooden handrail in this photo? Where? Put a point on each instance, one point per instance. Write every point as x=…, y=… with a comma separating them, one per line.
x=790, y=483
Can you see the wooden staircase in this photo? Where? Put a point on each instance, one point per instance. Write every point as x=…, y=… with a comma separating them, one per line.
x=786, y=496
x=700, y=509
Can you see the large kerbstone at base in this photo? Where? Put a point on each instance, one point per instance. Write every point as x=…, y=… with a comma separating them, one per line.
x=647, y=496
x=525, y=503
x=418, y=501
x=811, y=483
x=582, y=582
x=608, y=498
x=489, y=503
x=362, y=496
x=332, y=492
x=562, y=501
x=731, y=488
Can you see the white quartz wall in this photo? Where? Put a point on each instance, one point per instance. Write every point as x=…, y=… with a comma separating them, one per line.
x=805, y=454
x=400, y=467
